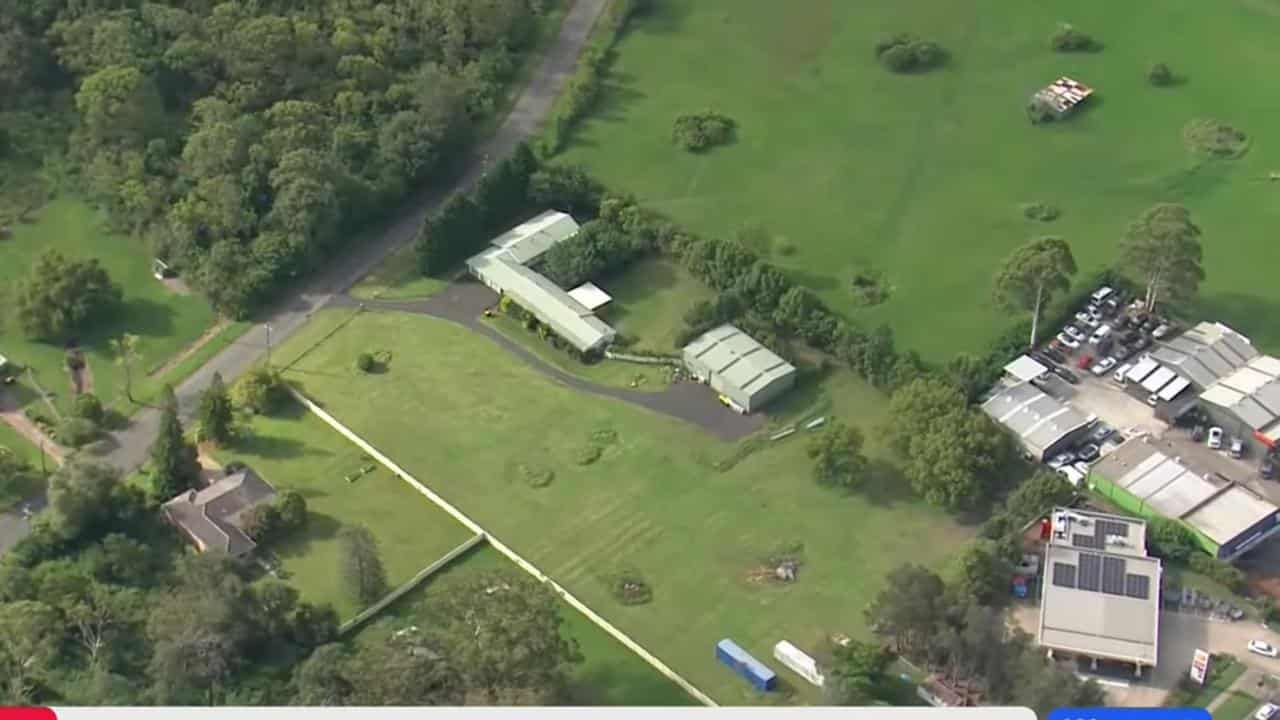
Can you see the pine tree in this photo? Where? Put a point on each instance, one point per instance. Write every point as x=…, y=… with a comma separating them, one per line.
x=174, y=467
x=216, y=416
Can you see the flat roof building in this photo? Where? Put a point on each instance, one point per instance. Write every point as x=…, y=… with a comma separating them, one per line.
x=504, y=268
x=1100, y=598
x=1064, y=95
x=1226, y=518
x=1043, y=424
x=738, y=367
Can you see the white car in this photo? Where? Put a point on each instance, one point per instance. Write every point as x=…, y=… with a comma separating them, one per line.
x=1161, y=331
x=1074, y=332
x=1101, y=367
x=1260, y=647
x=1215, y=438
x=1101, y=293
x=1068, y=341
x=1061, y=460
x=1099, y=334
x=1266, y=712
x=1087, y=319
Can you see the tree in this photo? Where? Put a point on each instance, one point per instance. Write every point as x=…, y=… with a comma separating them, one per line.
x=857, y=674
x=60, y=296
x=909, y=608
x=262, y=523
x=313, y=625
x=175, y=467
x=916, y=406
x=125, y=351
x=502, y=632
x=1161, y=250
x=261, y=391
x=80, y=499
x=30, y=633
x=87, y=406
x=101, y=615
x=321, y=680
x=983, y=573
x=217, y=417
x=837, y=456
x=118, y=106
x=1160, y=75
x=973, y=374
x=292, y=507
x=1171, y=540
x=360, y=566
x=1032, y=275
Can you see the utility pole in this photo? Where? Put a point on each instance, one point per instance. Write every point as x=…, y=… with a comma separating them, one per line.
x=268, y=327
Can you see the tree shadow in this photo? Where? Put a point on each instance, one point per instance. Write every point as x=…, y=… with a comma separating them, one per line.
x=659, y=17
x=319, y=527
x=885, y=484
x=273, y=447
x=812, y=280
x=145, y=318
x=617, y=96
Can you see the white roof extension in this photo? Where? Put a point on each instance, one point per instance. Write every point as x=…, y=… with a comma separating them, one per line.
x=1206, y=353
x=1025, y=368
x=590, y=295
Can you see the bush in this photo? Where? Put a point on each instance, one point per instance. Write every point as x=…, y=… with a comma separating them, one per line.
x=905, y=53
x=1068, y=39
x=630, y=588
x=76, y=432
x=701, y=131
x=262, y=391
x=1043, y=212
x=365, y=362
x=868, y=288
x=1160, y=75
x=1228, y=575
x=536, y=476
x=88, y=407
x=1215, y=139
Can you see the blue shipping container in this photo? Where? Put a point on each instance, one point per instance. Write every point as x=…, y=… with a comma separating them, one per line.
x=741, y=662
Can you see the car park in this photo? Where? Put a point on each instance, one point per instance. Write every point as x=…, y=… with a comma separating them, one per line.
x=1142, y=343
x=1044, y=358
x=1065, y=374
x=1087, y=319
x=1101, y=367
x=1121, y=353
x=1262, y=647
x=1100, y=433
x=1101, y=333
x=1061, y=460
x=1053, y=355
x=1068, y=341
x=1074, y=333
x=1237, y=448
x=1215, y=438
x=1089, y=452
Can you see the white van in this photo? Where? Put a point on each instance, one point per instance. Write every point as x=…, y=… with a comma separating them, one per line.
x=1101, y=293
x=1121, y=374
x=1099, y=334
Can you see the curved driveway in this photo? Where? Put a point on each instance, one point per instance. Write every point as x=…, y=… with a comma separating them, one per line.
x=525, y=118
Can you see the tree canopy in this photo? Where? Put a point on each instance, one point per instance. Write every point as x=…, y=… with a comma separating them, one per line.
x=837, y=456
x=1032, y=275
x=62, y=295
x=1161, y=250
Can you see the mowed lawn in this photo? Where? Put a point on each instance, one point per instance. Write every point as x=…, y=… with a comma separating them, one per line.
x=609, y=673
x=650, y=300
x=921, y=177
x=297, y=451
x=165, y=323
x=1237, y=706
x=475, y=424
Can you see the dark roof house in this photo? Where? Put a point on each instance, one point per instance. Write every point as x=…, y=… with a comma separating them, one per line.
x=213, y=518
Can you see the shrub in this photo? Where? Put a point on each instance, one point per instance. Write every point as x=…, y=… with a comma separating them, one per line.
x=76, y=432
x=536, y=476
x=261, y=391
x=868, y=288
x=630, y=588
x=1068, y=39
x=587, y=454
x=1225, y=573
x=701, y=131
x=1160, y=75
x=1043, y=212
x=365, y=362
x=1215, y=139
x=903, y=53
x=88, y=407
x=1039, y=111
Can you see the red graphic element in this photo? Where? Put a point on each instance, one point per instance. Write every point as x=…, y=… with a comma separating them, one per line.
x=27, y=713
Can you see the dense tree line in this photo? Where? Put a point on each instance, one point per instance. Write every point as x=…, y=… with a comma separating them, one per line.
x=247, y=140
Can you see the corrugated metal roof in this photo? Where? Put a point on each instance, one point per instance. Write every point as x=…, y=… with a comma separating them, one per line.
x=1157, y=379
x=1221, y=396
x=590, y=295
x=1037, y=419
x=1230, y=514
x=738, y=358
x=548, y=302
x=1026, y=368
x=1174, y=388
x=528, y=240
x=1252, y=413
x=1266, y=364
x=1145, y=367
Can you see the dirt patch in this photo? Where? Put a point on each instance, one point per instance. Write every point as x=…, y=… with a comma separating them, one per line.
x=191, y=349
x=177, y=286
x=12, y=416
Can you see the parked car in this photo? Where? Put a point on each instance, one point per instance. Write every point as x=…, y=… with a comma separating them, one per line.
x=1068, y=341
x=1101, y=333
x=1101, y=293
x=1084, y=361
x=1044, y=358
x=1061, y=460
x=1237, y=448
x=1054, y=355
x=1121, y=375
x=1086, y=319
x=1121, y=353
x=1101, y=433
x=1161, y=331
x=1266, y=712
x=1074, y=333
x=1151, y=324
x=1081, y=467
x=1089, y=452
x=1197, y=433
x=1268, y=468
x=1072, y=474
x=1142, y=343
x=1153, y=399
x=1101, y=367
x=1066, y=374
x=1262, y=647
x=1215, y=438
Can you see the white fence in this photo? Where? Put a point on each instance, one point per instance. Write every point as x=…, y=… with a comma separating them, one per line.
x=502, y=548
x=642, y=359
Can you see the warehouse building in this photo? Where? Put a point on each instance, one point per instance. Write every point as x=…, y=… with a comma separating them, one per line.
x=1043, y=425
x=745, y=373
x=1227, y=519
x=1101, y=595
x=504, y=268
x=1246, y=403
x=1206, y=353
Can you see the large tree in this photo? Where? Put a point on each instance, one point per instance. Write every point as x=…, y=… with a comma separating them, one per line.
x=174, y=463
x=60, y=296
x=837, y=456
x=360, y=564
x=1032, y=275
x=80, y=499
x=1161, y=250
x=858, y=674
x=910, y=608
x=501, y=633
x=217, y=417
x=30, y=632
x=983, y=573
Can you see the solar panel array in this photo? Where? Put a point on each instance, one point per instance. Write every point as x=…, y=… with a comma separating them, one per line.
x=1113, y=576
x=1137, y=586
x=1102, y=529
x=1112, y=527
x=1096, y=573
x=1090, y=572
x=1064, y=575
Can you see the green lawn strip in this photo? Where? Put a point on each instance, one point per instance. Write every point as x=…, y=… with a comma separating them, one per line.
x=228, y=336
x=297, y=451
x=164, y=322
x=476, y=424
x=617, y=373
x=925, y=184
x=20, y=445
x=1223, y=671
x=649, y=303
x=1237, y=706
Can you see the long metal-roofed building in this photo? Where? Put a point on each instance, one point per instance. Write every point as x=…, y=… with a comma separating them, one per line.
x=504, y=268
x=1206, y=353
x=738, y=367
x=1100, y=598
x=1246, y=403
x=1226, y=518
x=1043, y=425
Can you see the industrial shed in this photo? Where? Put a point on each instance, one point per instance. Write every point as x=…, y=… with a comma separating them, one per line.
x=738, y=367
x=1205, y=353
x=504, y=268
x=1246, y=403
x=1227, y=519
x=1043, y=425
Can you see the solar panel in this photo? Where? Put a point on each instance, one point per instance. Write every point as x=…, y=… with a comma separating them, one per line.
x=1081, y=540
x=1090, y=575
x=1111, y=527
x=1137, y=586
x=1064, y=575
x=1113, y=576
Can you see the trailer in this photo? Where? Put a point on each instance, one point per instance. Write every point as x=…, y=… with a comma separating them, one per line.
x=799, y=662
x=746, y=666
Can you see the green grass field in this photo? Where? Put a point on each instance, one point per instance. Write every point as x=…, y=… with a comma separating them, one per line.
x=297, y=451
x=1237, y=706
x=605, y=372
x=921, y=177
x=609, y=673
x=473, y=423
x=165, y=323
x=649, y=303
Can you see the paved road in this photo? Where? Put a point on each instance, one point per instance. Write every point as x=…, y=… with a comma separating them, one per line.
x=525, y=118
x=464, y=302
